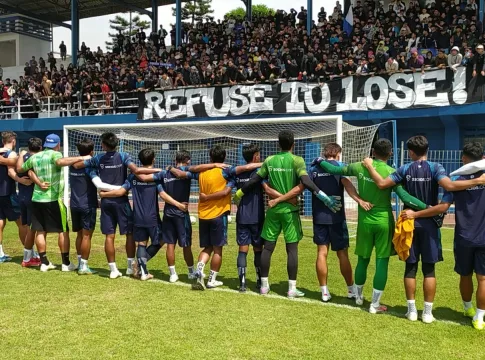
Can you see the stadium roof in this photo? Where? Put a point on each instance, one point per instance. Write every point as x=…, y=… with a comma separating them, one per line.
x=58, y=11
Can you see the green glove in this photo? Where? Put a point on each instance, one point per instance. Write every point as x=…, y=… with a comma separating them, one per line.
x=237, y=196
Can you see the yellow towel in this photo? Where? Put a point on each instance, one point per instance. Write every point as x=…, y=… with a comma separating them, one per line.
x=403, y=237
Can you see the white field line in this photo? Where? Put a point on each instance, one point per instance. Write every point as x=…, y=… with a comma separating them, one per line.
x=299, y=300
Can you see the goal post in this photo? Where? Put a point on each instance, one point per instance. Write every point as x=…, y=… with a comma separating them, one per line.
x=311, y=133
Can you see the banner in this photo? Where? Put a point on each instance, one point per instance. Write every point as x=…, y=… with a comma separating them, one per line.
x=354, y=93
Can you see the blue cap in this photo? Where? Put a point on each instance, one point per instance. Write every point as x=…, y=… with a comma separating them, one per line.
x=51, y=141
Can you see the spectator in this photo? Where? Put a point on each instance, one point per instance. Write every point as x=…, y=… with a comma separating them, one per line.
x=165, y=82
x=479, y=62
x=441, y=61
x=63, y=50
x=455, y=58
x=416, y=61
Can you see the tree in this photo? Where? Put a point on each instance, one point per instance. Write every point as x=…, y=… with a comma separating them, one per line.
x=259, y=10
x=196, y=11
x=128, y=27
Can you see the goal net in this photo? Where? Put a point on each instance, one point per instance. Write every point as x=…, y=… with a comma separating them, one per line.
x=311, y=135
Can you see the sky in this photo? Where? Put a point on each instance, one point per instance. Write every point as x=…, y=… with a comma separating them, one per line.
x=94, y=31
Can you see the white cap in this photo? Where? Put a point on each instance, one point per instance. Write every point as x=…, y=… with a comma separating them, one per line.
x=455, y=48
x=480, y=46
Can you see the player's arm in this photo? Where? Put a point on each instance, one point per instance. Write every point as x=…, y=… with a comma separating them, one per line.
x=23, y=166
x=205, y=167
x=378, y=179
x=11, y=170
x=352, y=191
x=11, y=160
x=427, y=213
x=141, y=170
x=288, y=197
x=248, y=167
x=252, y=182
x=346, y=170
x=68, y=161
x=408, y=200
x=122, y=191
x=448, y=185
x=218, y=195
x=102, y=186
x=170, y=200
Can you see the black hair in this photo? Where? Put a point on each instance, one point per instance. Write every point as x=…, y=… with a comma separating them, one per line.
x=146, y=157
x=110, y=140
x=217, y=154
x=182, y=156
x=85, y=147
x=473, y=151
x=248, y=152
x=382, y=148
x=34, y=144
x=332, y=150
x=286, y=139
x=418, y=144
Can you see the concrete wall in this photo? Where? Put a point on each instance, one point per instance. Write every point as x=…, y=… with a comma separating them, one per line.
x=29, y=46
x=9, y=56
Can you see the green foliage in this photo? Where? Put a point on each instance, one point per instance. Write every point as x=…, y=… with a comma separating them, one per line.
x=196, y=11
x=259, y=10
x=120, y=23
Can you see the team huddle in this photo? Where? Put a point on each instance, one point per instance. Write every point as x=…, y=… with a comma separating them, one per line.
x=38, y=209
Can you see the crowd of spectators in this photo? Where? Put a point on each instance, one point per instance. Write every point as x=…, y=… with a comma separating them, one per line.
x=270, y=49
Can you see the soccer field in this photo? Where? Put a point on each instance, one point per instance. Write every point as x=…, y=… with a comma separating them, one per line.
x=63, y=315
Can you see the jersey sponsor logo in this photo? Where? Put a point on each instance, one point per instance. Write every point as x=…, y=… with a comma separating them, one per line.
x=135, y=183
x=478, y=187
x=365, y=178
x=167, y=180
x=238, y=180
x=271, y=168
x=410, y=178
x=102, y=166
x=77, y=174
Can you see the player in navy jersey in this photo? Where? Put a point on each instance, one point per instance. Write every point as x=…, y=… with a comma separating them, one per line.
x=421, y=179
x=9, y=208
x=330, y=228
x=177, y=227
x=146, y=213
x=469, y=242
x=25, y=202
x=112, y=167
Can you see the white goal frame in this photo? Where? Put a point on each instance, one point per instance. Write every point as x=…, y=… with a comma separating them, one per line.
x=295, y=119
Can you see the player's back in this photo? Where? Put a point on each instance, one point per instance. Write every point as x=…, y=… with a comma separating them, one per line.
x=251, y=208
x=112, y=170
x=145, y=201
x=210, y=182
x=44, y=165
x=83, y=192
x=332, y=186
x=469, y=212
x=283, y=172
x=7, y=184
x=178, y=189
x=25, y=191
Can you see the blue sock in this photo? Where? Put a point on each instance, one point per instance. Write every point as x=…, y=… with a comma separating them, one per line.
x=141, y=255
x=241, y=267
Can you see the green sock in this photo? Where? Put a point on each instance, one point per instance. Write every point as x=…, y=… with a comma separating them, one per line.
x=380, y=277
x=361, y=271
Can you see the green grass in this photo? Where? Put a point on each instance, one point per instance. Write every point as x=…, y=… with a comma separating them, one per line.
x=62, y=315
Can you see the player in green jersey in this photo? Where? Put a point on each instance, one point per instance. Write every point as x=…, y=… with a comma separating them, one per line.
x=284, y=171
x=375, y=227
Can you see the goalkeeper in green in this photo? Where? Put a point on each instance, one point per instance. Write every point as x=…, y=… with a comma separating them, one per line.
x=284, y=172
x=375, y=228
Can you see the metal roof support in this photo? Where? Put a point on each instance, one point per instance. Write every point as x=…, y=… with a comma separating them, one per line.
x=74, y=30
x=178, y=23
x=309, y=16
x=44, y=18
x=155, y=15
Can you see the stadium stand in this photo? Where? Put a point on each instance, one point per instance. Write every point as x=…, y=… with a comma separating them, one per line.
x=271, y=49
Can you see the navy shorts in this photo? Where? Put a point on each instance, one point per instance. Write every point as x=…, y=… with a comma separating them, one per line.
x=177, y=229
x=426, y=245
x=26, y=211
x=114, y=215
x=83, y=219
x=249, y=234
x=9, y=208
x=213, y=232
x=141, y=233
x=335, y=235
x=469, y=259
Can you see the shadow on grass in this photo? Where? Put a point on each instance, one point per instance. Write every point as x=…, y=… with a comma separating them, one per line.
x=18, y=260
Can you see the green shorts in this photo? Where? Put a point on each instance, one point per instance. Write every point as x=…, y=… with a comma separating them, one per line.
x=374, y=235
x=289, y=222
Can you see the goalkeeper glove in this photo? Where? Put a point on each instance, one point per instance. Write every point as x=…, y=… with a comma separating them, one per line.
x=317, y=161
x=237, y=196
x=332, y=202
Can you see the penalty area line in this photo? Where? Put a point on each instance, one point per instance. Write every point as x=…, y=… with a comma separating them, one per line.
x=299, y=300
